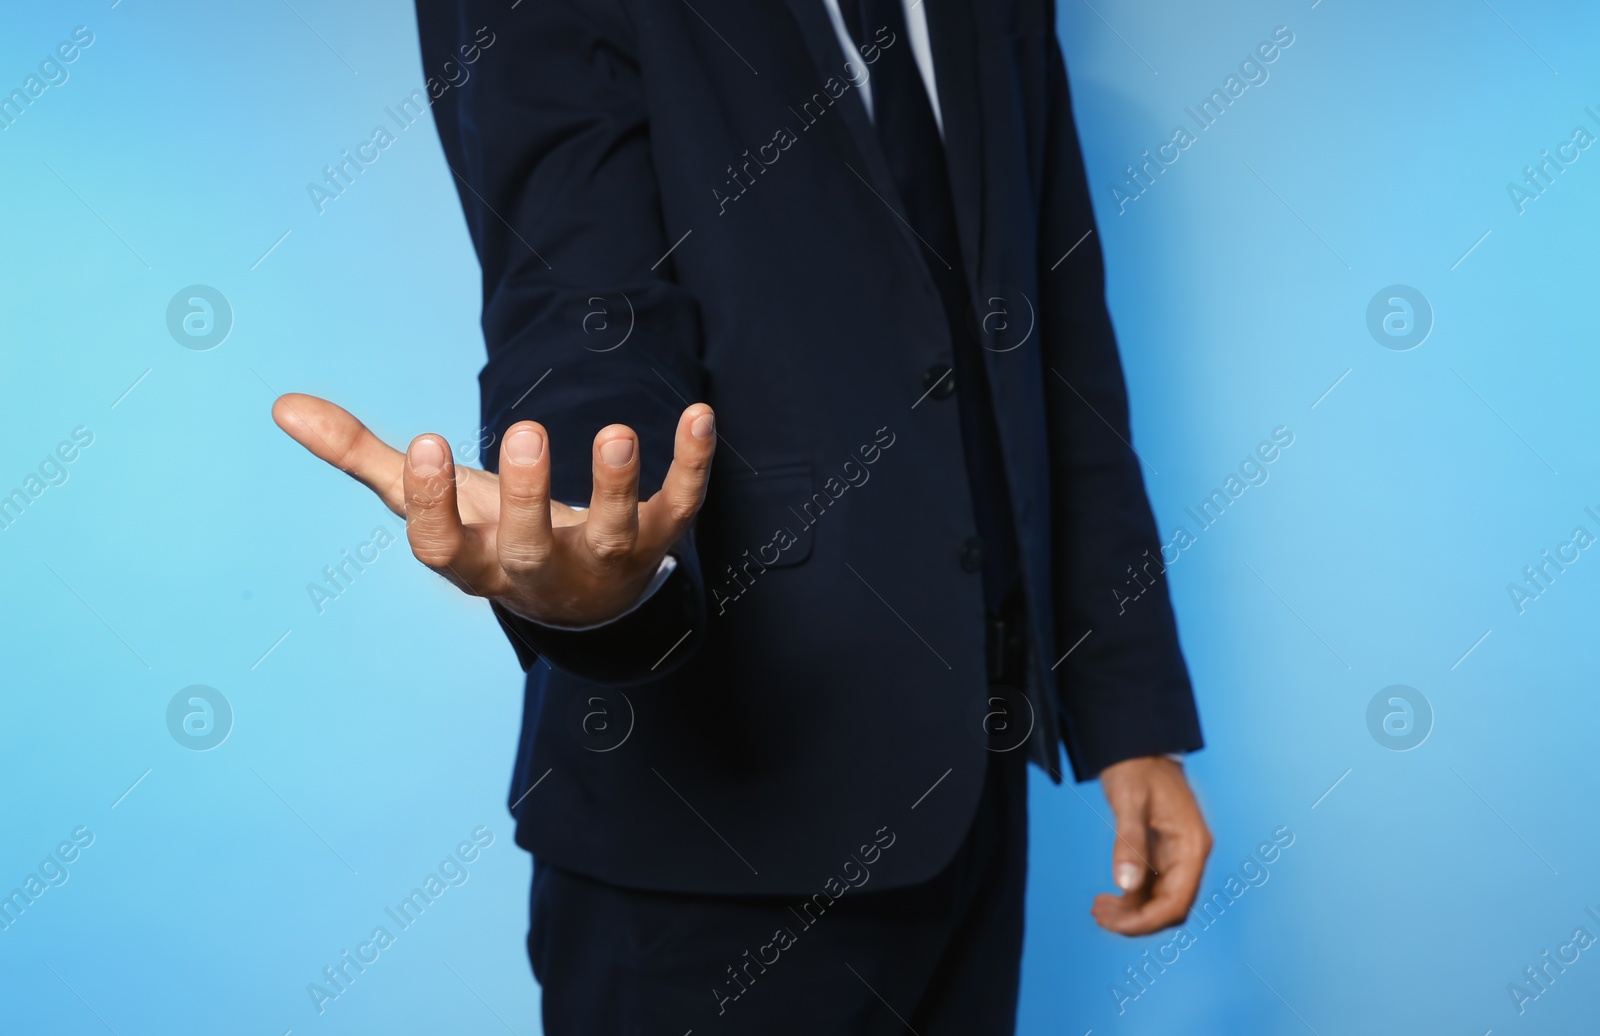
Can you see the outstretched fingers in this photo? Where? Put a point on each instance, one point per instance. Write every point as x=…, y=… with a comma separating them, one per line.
x=613, y=521
x=667, y=516
x=524, y=539
x=433, y=522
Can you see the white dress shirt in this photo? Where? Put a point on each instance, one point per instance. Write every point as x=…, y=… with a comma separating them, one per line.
x=917, y=28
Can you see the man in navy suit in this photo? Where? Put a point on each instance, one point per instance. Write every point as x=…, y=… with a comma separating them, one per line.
x=818, y=279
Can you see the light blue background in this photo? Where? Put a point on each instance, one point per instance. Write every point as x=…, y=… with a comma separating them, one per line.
x=375, y=736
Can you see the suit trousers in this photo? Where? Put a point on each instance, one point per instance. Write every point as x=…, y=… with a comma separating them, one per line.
x=941, y=957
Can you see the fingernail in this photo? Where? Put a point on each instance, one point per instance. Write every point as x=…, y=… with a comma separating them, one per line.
x=703, y=426
x=617, y=452
x=427, y=457
x=1128, y=876
x=524, y=446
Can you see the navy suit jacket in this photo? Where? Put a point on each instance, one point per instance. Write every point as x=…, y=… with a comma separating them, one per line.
x=674, y=204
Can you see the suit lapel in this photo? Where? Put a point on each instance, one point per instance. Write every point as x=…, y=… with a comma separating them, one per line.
x=828, y=60
x=952, y=36
x=952, y=32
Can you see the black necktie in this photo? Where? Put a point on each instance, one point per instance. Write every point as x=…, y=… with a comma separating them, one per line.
x=915, y=154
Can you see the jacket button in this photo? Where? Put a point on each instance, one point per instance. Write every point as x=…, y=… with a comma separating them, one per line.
x=939, y=381
x=972, y=554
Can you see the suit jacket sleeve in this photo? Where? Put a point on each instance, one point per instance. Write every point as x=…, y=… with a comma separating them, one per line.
x=542, y=116
x=1125, y=689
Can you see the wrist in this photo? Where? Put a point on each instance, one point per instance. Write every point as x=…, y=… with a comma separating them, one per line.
x=581, y=613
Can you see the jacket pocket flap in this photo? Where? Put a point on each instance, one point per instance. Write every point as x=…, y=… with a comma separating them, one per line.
x=757, y=520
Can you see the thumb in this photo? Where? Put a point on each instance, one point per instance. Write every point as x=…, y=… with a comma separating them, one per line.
x=1130, y=856
x=334, y=435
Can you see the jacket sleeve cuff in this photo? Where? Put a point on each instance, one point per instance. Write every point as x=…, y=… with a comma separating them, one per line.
x=1161, y=725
